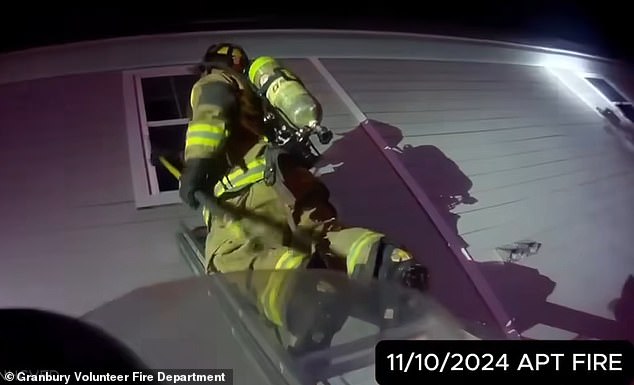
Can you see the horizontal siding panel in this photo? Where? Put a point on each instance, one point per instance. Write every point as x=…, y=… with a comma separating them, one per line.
x=414, y=67
x=66, y=216
x=463, y=75
x=551, y=102
x=526, y=160
x=471, y=115
x=490, y=151
x=434, y=85
x=500, y=137
x=533, y=215
x=549, y=205
x=359, y=78
x=590, y=166
x=493, y=125
x=544, y=214
x=393, y=64
x=513, y=193
x=85, y=268
x=415, y=96
x=530, y=106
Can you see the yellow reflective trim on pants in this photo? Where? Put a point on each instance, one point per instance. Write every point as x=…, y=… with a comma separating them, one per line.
x=270, y=299
x=357, y=247
x=206, y=215
x=280, y=262
x=240, y=179
x=289, y=261
x=294, y=262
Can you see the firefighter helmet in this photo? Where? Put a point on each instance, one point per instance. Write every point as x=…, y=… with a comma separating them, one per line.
x=226, y=54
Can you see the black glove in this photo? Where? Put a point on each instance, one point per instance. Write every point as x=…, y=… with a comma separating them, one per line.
x=195, y=177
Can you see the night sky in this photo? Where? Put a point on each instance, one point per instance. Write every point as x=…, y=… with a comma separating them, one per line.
x=599, y=27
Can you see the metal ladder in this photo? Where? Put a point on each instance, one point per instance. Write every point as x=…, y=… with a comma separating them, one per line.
x=191, y=244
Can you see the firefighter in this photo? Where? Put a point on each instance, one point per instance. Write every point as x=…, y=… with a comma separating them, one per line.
x=226, y=153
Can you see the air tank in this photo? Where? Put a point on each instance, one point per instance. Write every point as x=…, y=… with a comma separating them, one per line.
x=285, y=92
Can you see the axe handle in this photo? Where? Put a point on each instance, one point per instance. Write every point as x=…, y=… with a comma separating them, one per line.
x=202, y=197
x=170, y=167
x=303, y=240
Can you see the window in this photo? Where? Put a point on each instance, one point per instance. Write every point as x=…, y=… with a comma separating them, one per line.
x=607, y=90
x=168, y=141
x=157, y=106
x=616, y=98
x=167, y=97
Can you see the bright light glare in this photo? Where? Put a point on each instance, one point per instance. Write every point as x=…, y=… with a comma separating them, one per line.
x=563, y=62
x=562, y=74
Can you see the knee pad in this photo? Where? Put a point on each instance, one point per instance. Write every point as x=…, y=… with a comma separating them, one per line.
x=392, y=263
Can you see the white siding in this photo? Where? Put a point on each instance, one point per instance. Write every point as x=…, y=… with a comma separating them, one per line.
x=71, y=236
x=532, y=153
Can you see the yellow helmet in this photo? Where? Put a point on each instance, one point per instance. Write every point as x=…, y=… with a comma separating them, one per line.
x=226, y=54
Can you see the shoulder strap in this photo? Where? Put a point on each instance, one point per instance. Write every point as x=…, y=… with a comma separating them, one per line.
x=273, y=177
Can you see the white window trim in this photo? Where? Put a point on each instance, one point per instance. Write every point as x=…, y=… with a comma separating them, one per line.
x=171, y=122
x=144, y=180
x=611, y=103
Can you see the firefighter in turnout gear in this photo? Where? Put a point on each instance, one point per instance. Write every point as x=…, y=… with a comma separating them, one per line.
x=228, y=152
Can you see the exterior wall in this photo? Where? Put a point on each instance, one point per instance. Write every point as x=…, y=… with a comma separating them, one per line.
x=71, y=236
x=530, y=160
x=477, y=87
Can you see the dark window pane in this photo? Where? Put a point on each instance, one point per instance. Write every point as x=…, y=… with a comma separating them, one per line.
x=183, y=85
x=159, y=100
x=168, y=141
x=627, y=110
x=167, y=97
x=607, y=90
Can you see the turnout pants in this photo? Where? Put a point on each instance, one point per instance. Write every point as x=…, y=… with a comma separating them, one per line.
x=240, y=244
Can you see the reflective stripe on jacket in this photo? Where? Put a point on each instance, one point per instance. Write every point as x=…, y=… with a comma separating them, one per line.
x=238, y=177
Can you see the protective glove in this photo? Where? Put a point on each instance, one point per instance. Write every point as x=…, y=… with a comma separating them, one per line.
x=195, y=177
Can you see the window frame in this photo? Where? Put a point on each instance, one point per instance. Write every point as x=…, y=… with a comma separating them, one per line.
x=144, y=178
x=614, y=105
